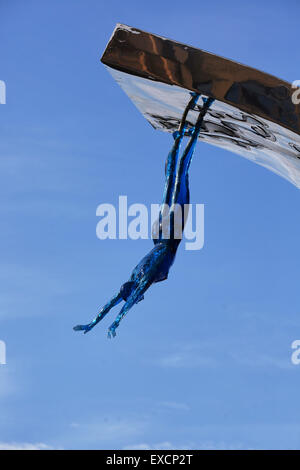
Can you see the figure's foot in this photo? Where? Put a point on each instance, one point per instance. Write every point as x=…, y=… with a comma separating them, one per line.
x=112, y=330
x=84, y=328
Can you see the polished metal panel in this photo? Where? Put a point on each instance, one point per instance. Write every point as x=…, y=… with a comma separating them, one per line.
x=253, y=113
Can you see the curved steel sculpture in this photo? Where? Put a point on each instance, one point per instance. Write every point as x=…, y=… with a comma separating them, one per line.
x=253, y=113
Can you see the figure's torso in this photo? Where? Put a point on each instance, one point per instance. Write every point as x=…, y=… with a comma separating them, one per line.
x=156, y=264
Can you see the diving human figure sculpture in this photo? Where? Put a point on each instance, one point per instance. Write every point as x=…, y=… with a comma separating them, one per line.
x=155, y=266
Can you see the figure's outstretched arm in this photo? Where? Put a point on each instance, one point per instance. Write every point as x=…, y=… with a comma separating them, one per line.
x=134, y=297
x=86, y=328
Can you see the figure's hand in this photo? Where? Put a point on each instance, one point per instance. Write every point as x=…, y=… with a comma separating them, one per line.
x=112, y=330
x=84, y=328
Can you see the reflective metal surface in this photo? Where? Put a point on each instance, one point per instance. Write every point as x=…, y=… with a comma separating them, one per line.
x=252, y=115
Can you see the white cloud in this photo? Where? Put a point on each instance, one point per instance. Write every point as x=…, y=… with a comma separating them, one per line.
x=205, y=355
x=23, y=446
x=104, y=432
x=160, y=446
x=187, y=360
x=173, y=405
x=263, y=361
x=211, y=445
x=206, y=445
x=190, y=356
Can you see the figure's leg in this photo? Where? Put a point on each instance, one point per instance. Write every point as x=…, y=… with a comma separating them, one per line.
x=86, y=328
x=170, y=170
x=134, y=298
x=181, y=194
x=173, y=155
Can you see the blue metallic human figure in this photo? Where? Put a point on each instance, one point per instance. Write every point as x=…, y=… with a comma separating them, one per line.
x=155, y=266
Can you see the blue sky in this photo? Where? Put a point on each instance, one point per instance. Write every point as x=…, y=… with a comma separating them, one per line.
x=204, y=360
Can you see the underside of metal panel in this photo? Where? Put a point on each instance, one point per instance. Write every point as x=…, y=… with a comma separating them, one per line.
x=253, y=113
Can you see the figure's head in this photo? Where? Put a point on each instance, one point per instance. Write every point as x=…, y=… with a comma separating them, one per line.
x=127, y=289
